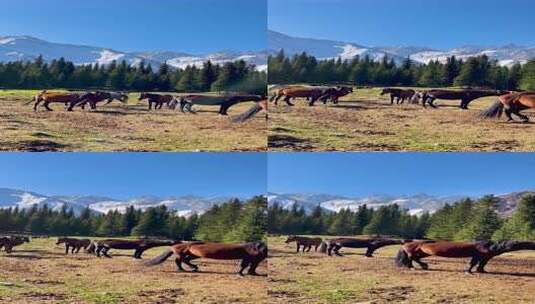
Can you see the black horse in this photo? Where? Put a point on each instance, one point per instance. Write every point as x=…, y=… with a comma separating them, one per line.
x=156, y=99
x=335, y=245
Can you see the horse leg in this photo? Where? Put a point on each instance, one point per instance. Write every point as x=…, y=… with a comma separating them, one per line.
x=78, y=249
x=337, y=250
x=46, y=106
x=252, y=269
x=508, y=112
x=66, y=249
x=430, y=102
x=424, y=266
x=391, y=99
x=523, y=117
x=243, y=264
x=178, y=262
x=287, y=100
x=139, y=253
x=187, y=260
x=297, y=247
x=36, y=104
x=473, y=262
x=72, y=250
x=316, y=248
x=308, y=248
x=150, y=105
x=369, y=251
x=482, y=263
x=105, y=252
x=313, y=100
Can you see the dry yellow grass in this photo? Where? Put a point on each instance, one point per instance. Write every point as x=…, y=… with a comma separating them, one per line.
x=317, y=278
x=119, y=127
x=365, y=121
x=40, y=272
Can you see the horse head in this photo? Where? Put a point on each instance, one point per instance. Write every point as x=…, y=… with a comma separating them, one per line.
x=385, y=91
x=60, y=241
x=142, y=96
x=291, y=238
x=509, y=245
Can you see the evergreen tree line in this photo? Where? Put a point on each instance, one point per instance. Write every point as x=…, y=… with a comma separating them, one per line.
x=231, y=221
x=231, y=76
x=477, y=71
x=463, y=220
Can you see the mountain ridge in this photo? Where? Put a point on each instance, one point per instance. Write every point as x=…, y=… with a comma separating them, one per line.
x=27, y=48
x=506, y=55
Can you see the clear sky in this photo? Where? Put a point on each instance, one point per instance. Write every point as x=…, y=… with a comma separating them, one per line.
x=363, y=174
x=192, y=26
x=431, y=23
x=126, y=175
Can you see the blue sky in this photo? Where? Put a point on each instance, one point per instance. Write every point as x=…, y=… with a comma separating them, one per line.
x=362, y=174
x=125, y=175
x=432, y=23
x=193, y=26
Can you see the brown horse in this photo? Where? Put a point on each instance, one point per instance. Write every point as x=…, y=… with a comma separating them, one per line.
x=54, y=97
x=139, y=246
x=466, y=96
x=328, y=246
x=398, y=94
x=479, y=252
x=511, y=103
x=76, y=244
x=250, y=254
x=306, y=242
x=12, y=241
x=95, y=97
x=157, y=99
x=312, y=93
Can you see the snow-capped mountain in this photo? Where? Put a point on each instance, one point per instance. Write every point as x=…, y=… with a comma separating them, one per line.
x=183, y=205
x=325, y=49
x=13, y=48
x=415, y=204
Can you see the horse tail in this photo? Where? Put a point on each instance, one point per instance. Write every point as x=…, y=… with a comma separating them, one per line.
x=402, y=258
x=248, y=114
x=323, y=247
x=159, y=259
x=495, y=110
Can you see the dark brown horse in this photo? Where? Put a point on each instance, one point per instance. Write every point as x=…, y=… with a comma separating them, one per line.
x=466, y=96
x=223, y=101
x=399, y=95
x=479, y=252
x=250, y=254
x=511, y=103
x=139, y=246
x=157, y=99
x=306, y=242
x=335, y=245
x=75, y=244
x=12, y=241
x=95, y=97
x=333, y=93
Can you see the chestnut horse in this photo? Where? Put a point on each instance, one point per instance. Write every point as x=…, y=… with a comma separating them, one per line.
x=157, y=99
x=9, y=242
x=250, y=254
x=466, y=96
x=306, y=242
x=139, y=246
x=76, y=244
x=54, y=97
x=398, y=94
x=312, y=93
x=511, y=103
x=335, y=245
x=479, y=252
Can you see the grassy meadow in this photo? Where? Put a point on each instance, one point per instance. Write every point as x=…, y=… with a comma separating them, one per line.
x=365, y=121
x=124, y=127
x=317, y=278
x=40, y=272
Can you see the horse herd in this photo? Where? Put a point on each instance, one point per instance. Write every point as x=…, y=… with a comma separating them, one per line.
x=480, y=252
x=156, y=101
x=251, y=254
x=508, y=102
